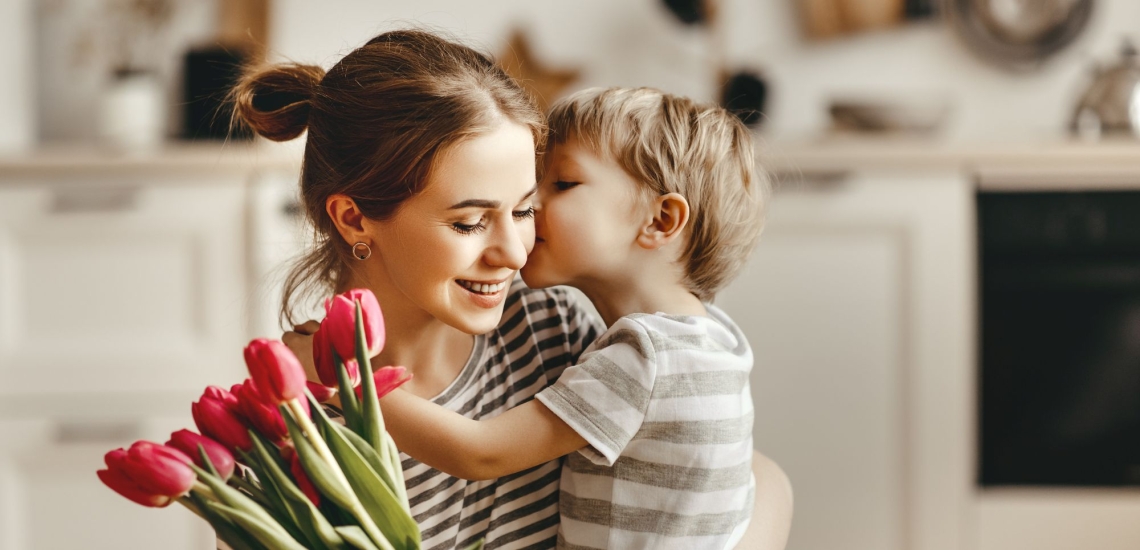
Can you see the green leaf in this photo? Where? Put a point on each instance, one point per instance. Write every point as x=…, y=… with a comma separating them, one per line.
x=397, y=466
x=477, y=545
x=373, y=425
x=356, y=537
x=273, y=502
x=348, y=403
x=379, y=501
x=282, y=484
x=234, y=498
x=226, y=530
x=373, y=459
x=267, y=534
x=320, y=473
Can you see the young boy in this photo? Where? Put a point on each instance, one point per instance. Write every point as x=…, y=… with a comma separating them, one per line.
x=650, y=204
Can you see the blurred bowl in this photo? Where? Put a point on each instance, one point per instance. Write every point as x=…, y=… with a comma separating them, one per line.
x=909, y=117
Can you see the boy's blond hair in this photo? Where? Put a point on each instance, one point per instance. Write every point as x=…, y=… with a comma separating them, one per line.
x=672, y=144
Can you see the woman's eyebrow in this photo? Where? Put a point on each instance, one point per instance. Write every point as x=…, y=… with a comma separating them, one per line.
x=489, y=204
x=475, y=203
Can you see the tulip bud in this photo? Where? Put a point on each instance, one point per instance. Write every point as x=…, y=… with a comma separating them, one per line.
x=148, y=473
x=340, y=322
x=276, y=372
x=326, y=367
x=387, y=379
x=188, y=441
x=216, y=415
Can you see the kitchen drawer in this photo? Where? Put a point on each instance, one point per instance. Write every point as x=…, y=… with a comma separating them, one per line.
x=121, y=287
x=52, y=497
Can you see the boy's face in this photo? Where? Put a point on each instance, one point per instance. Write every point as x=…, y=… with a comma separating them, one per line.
x=587, y=217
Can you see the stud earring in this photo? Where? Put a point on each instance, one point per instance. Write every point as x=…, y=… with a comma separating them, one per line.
x=361, y=255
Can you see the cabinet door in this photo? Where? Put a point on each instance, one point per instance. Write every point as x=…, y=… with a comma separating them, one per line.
x=50, y=497
x=117, y=287
x=856, y=306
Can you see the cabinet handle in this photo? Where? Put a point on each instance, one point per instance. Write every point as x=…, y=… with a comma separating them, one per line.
x=75, y=200
x=83, y=432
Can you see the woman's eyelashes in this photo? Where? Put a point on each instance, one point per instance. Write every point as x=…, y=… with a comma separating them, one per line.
x=478, y=227
x=469, y=229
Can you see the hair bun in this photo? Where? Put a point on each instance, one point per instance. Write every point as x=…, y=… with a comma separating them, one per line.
x=275, y=100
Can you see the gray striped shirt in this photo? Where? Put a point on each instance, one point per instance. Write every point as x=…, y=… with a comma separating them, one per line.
x=542, y=332
x=665, y=405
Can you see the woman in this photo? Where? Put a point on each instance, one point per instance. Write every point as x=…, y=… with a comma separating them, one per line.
x=418, y=174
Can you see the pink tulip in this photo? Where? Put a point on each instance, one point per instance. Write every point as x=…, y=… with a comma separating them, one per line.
x=326, y=367
x=387, y=379
x=216, y=414
x=276, y=372
x=300, y=477
x=320, y=392
x=263, y=418
x=340, y=322
x=148, y=473
x=188, y=441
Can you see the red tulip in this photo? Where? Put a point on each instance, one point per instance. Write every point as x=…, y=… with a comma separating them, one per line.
x=148, y=473
x=276, y=372
x=216, y=414
x=340, y=322
x=320, y=392
x=263, y=418
x=188, y=441
x=323, y=360
x=300, y=477
x=387, y=379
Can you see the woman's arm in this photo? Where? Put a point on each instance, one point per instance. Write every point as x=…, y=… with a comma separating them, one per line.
x=772, y=513
x=524, y=436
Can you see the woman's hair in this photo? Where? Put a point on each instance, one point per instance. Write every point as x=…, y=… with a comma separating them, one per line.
x=672, y=144
x=376, y=120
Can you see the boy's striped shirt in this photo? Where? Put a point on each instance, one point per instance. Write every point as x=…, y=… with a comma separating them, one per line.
x=665, y=405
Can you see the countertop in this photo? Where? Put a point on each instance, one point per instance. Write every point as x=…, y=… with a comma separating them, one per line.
x=1059, y=159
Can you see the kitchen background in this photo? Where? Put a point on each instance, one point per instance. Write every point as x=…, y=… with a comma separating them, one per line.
x=945, y=306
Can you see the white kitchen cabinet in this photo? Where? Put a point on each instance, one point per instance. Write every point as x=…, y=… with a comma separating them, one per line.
x=120, y=285
x=51, y=499
x=856, y=304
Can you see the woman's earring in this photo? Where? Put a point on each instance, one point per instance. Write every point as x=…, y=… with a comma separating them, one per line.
x=361, y=255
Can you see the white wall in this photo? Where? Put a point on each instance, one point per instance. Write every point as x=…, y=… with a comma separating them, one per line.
x=635, y=42
x=17, y=110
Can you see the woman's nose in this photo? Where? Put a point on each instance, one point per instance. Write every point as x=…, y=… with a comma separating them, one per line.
x=510, y=246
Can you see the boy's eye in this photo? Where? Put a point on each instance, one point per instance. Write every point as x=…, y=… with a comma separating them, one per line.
x=524, y=214
x=564, y=185
x=466, y=229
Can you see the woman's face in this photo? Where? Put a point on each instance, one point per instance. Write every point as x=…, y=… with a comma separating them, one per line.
x=451, y=251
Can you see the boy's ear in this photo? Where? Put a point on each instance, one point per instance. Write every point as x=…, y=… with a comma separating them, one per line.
x=347, y=217
x=670, y=216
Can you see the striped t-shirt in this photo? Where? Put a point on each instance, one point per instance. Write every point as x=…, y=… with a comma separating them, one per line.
x=664, y=403
x=542, y=332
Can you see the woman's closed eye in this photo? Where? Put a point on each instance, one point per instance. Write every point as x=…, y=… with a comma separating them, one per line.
x=469, y=229
x=526, y=213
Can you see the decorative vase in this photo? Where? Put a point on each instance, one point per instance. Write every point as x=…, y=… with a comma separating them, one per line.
x=132, y=112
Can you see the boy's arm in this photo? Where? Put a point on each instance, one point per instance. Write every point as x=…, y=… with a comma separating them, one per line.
x=520, y=438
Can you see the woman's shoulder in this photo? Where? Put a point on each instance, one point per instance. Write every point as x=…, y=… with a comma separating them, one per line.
x=537, y=304
x=553, y=321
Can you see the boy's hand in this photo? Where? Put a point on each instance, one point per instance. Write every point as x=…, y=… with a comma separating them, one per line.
x=300, y=341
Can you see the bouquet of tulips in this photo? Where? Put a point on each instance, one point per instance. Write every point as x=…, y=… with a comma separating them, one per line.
x=270, y=469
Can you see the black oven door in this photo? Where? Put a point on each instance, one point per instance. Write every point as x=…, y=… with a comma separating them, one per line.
x=1060, y=338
